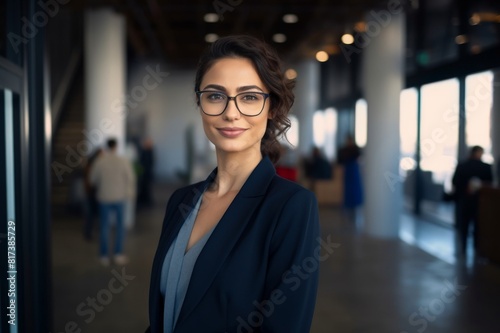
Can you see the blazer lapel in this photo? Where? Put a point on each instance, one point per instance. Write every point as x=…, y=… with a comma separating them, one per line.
x=177, y=218
x=226, y=234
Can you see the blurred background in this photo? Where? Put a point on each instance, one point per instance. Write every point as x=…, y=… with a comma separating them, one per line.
x=415, y=83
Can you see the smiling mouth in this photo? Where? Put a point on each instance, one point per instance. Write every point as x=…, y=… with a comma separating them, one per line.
x=231, y=132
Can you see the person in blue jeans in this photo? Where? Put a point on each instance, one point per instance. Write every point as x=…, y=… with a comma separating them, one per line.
x=114, y=180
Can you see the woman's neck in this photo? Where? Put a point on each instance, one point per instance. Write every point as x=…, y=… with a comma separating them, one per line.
x=233, y=169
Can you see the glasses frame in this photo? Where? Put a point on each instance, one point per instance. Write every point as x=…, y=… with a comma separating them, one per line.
x=232, y=98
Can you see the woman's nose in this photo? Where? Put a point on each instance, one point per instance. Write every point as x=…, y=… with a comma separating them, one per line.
x=231, y=111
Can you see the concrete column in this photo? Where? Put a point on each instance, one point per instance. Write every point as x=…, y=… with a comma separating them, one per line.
x=105, y=77
x=383, y=81
x=495, y=125
x=306, y=101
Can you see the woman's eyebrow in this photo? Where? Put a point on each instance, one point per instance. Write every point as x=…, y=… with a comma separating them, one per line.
x=239, y=89
x=215, y=87
x=245, y=88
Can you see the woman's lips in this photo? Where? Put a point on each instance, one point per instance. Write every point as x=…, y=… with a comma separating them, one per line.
x=231, y=132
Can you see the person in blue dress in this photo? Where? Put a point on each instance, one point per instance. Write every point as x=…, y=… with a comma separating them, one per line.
x=349, y=156
x=240, y=251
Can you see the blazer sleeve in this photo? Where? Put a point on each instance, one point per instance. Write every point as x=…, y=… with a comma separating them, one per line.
x=292, y=275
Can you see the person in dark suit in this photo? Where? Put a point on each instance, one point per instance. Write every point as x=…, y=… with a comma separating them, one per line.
x=240, y=251
x=468, y=178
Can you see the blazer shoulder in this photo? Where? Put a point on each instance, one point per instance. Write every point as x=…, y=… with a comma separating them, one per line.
x=288, y=188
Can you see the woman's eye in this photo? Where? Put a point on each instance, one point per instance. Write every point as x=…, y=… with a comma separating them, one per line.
x=215, y=97
x=250, y=97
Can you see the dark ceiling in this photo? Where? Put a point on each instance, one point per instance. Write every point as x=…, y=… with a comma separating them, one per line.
x=176, y=30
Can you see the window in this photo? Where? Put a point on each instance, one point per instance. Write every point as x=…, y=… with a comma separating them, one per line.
x=330, y=118
x=408, y=118
x=478, y=104
x=361, y=122
x=408, y=114
x=319, y=129
x=438, y=145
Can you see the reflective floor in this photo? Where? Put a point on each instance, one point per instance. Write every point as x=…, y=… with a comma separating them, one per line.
x=412, y=284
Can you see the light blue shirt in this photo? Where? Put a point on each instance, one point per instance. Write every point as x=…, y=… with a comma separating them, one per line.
x=177, y=269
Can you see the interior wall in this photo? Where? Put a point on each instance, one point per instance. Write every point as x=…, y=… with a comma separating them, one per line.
x=165, y=113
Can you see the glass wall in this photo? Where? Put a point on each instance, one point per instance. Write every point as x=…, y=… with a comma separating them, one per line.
x=439, y=123
x=361, y=122
x=319, y=129
x=408, y=117
x=478, y=104
x=325, y=124
x=330, y=133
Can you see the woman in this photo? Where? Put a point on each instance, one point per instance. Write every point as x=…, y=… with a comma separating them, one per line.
x=239, y=251
x=348, y=156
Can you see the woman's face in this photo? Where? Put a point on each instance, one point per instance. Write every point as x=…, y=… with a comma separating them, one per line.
x=231, y=131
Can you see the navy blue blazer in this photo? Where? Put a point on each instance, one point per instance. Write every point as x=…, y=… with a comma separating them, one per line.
x=258, y=272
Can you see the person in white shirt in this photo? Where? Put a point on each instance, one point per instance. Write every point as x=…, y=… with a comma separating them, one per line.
x=113, y=178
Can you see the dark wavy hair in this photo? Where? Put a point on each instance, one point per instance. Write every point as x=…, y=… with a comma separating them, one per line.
x=269, y=68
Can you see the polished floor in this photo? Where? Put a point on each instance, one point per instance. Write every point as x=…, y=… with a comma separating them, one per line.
x=411, y=284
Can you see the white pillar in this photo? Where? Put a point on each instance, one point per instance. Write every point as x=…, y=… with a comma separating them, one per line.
x=105, y=77
x=495, y=125
x=306, y=101
x=383, y=82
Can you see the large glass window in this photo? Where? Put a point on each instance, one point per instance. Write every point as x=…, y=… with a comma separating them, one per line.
x=361, y=122
x=408, y=117
x=319, y=129
x=478, y=104
x=330, y=133
x=325, y=132
x=438, y=145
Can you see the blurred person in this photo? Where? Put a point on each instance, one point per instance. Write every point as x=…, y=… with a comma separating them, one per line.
x=470, y=175
x=235, y=244
x=91, y=203
x=348, y=156
x=317, y=167
x=112, y=176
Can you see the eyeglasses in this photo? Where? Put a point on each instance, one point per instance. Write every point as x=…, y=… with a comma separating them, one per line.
x=214, y=103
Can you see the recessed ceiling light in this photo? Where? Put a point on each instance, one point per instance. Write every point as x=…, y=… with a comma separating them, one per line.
x=322, y=56
x=360, y=26
x=475, y=49
x=347, y=39
x=461, y=39
x=475, y=19
x=210, y=38
x=291, y=74
x=279, y=38
x=211, y=18
x=290, y=18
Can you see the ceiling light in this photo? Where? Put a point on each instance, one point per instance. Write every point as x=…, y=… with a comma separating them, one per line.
x=347, y=39
x=279, y=38
x=360, y=26
x=322, y=56
x=291, y=74
x=461, y=39
x=331, y=49
x=290, y=18
x=211, y=18
x=210, y=38
x=475, y=19
x=475, y=49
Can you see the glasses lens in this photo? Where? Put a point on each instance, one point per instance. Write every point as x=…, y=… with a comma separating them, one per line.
x=213, y=103
x=250, y=103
